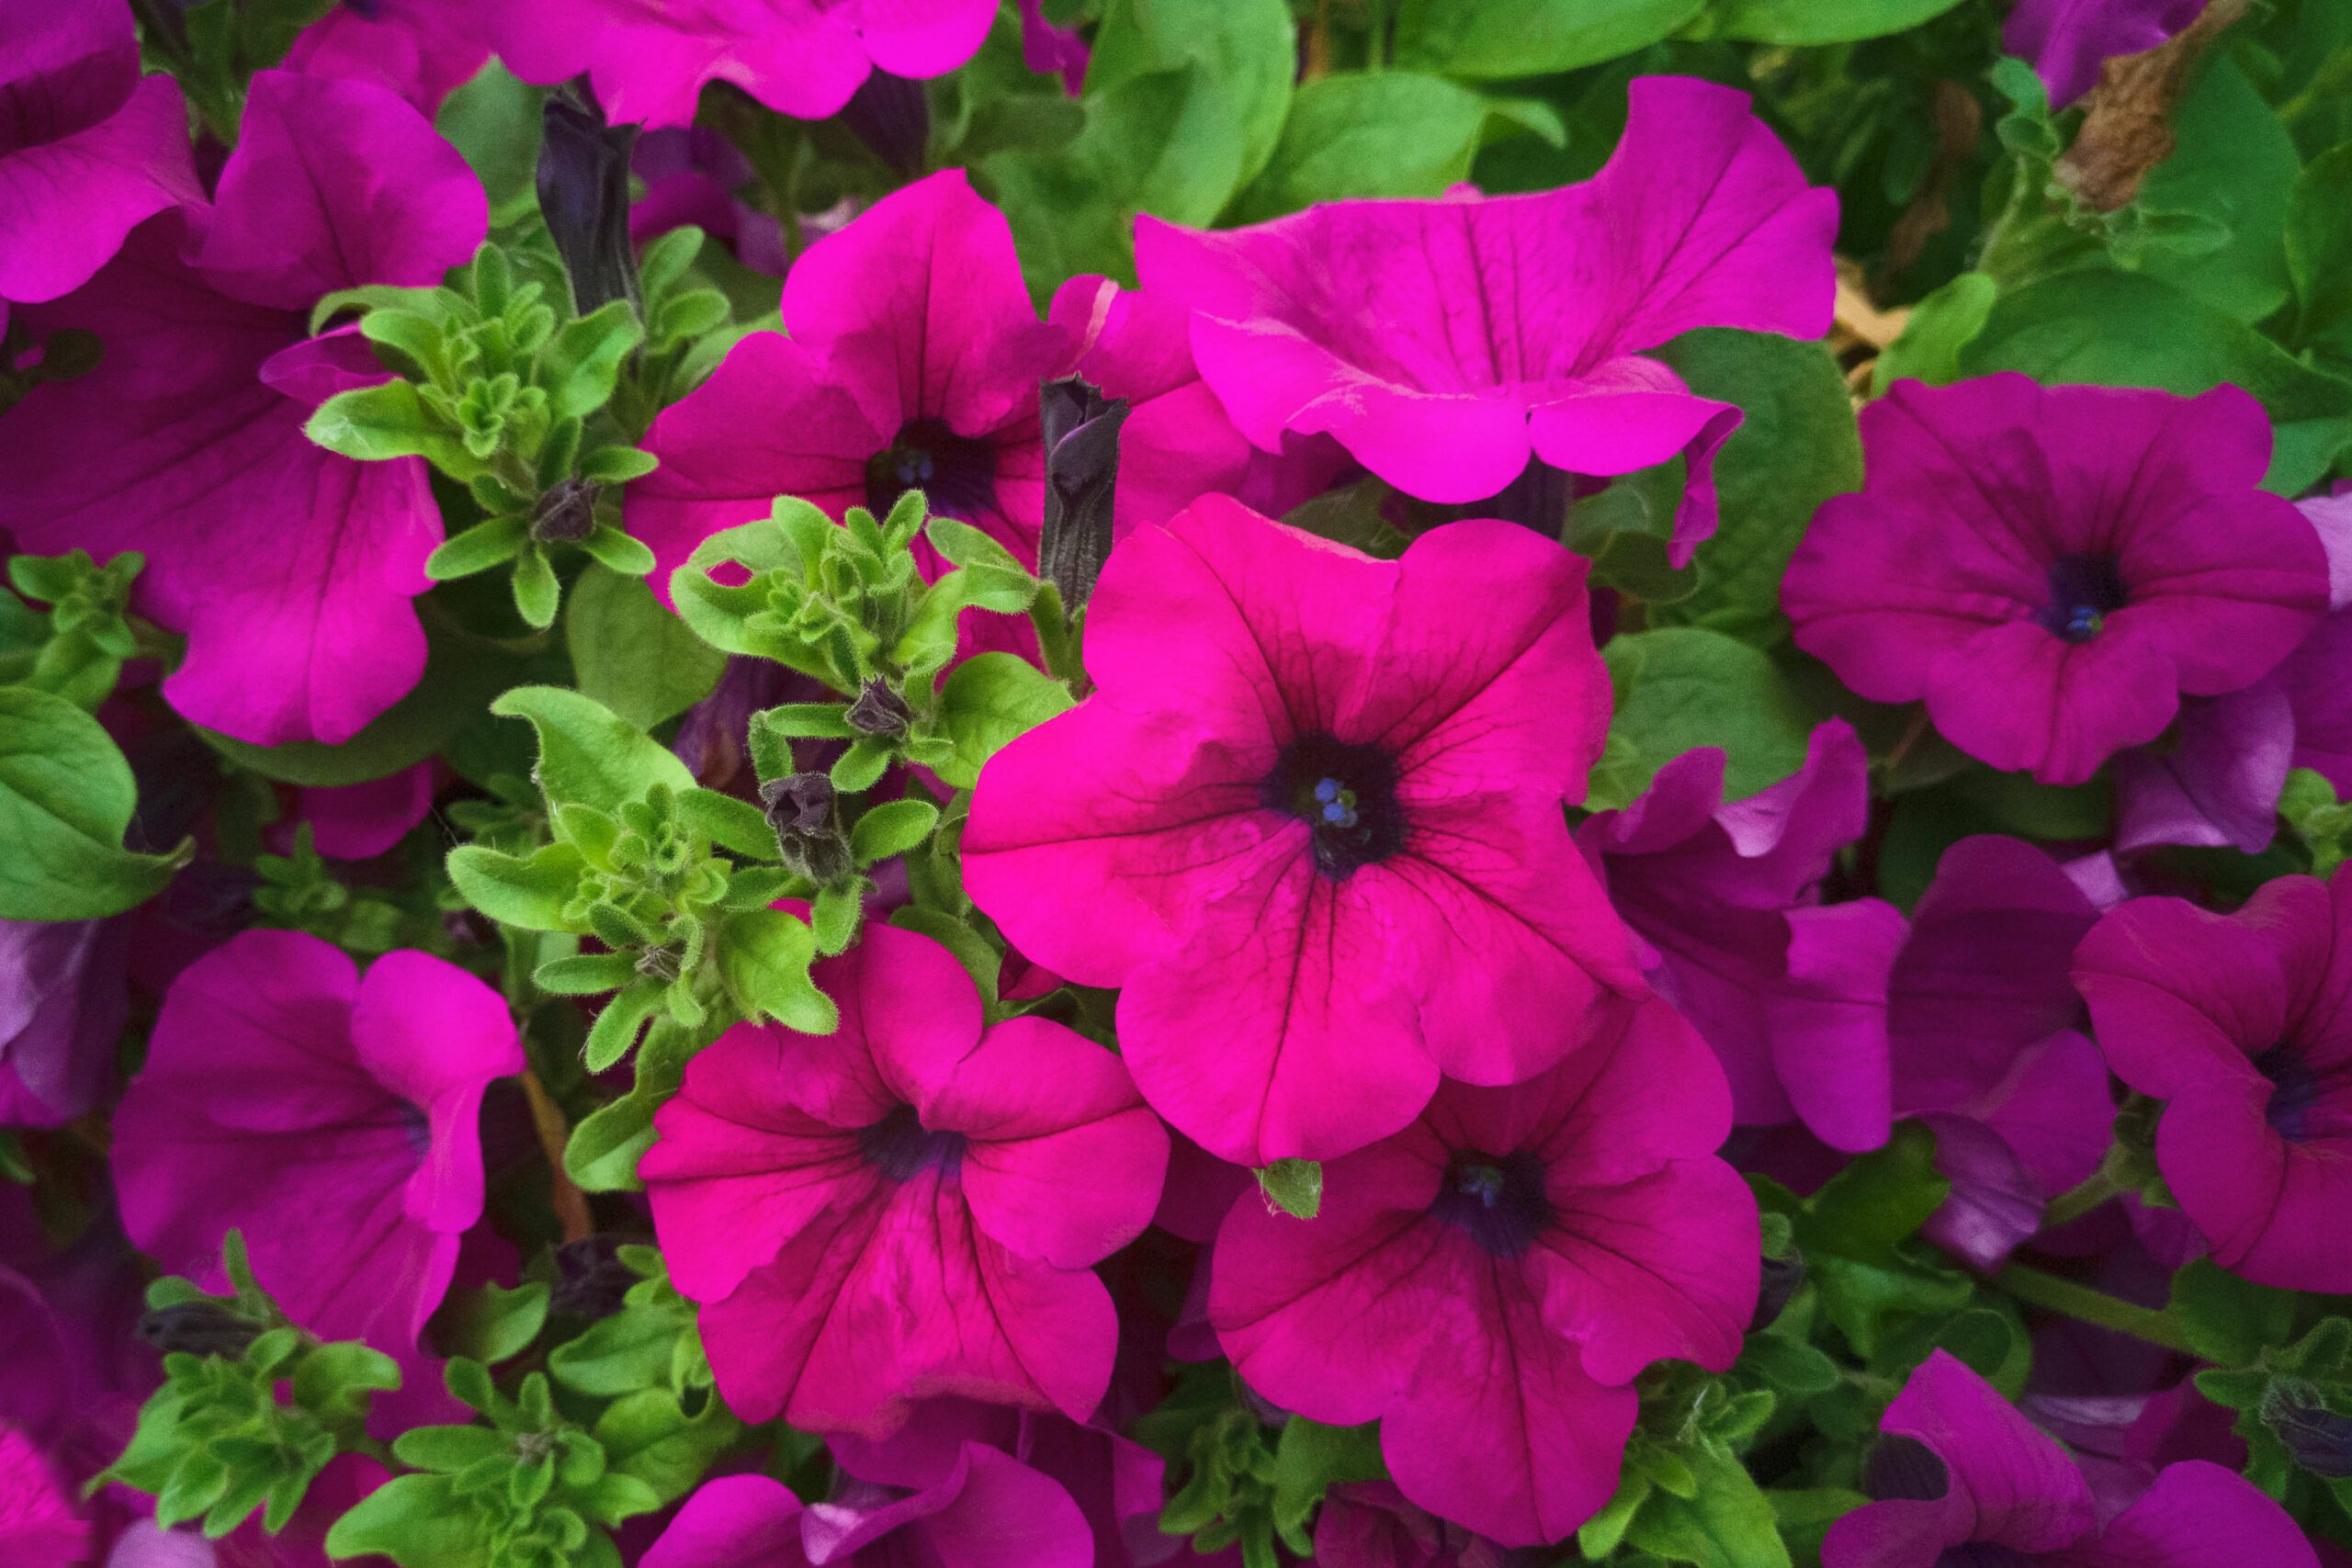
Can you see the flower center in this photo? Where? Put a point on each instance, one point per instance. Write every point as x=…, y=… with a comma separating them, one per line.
x=2084, y=591
x=2298, y=1090
x=956, y=473
x=1345, y=794
x=419, y=1128
x=1498, y=1199
x=902, y=1148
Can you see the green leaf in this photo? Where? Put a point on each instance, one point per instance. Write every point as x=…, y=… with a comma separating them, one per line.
x=618, y=552
x=648, y=1435
x=537, y=594
x=1796, y=447
x=1682, y=687
x=587, y=754
x=1940, y=327
x=1878, y=1199
x=988, y=700
x=1066, y=205
x=764, y=958
x=490, y=1323
x=617, y=465
x=1294, y=1186
x=1382, y=133
x=2234, y=168
x=1818, y=21
x=1727, y=1523
x=375, y=423
x=530, y=893
x=2318, y=243
x=2121, y=329
x=891, y=829
x=419, y=1521
x=582, y=363
x=1483, y=39
x=66, y=797
x=478, y=549
x=2229, y=1320
x=494, y=121
x=728, y=822
x=631, y=655
x=1246, y=52
x=621, y=1353
x=1311, y=1458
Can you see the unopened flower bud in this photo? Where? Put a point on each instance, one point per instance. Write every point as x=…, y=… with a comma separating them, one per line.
x=567, y=512
x=2319, y=1439
x=806, y=817
x=879, y=711
x=1081, y=436
x=1781, y=1278
x=198, y=1328
x=583, y=195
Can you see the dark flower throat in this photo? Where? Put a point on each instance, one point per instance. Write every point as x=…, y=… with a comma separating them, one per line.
x=1496, y=1199
x=956, y=473
x=902, y=1148
x=2084, y=591
x=1346, y=793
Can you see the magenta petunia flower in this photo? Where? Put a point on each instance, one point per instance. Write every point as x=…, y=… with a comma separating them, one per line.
x=1052, y=50
x=2052, y=568
x=291, y=568
x=1962, y=1477
x=2214, y=779
x=1790, y=994
x=88, y=147
x=422, y=49
x=361, y=821
x=1488, y=1283
x=649, y=60
x=2317, y=677
x=913, y=363
x=990, y=1511
x=2068, y=40
x=908, y=1206
x=329, y=1117
x=1446, y=342
x=1985, y=1030
x=64, y=996
x=1310, y=820
x=2242, y=1024
x=39, y=1522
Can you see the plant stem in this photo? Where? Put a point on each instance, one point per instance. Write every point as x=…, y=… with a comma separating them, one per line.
x=2081, y=1303
x=570, y=1203
x=2073, y=1204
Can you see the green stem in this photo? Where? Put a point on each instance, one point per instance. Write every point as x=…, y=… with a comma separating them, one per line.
x=2073, y=1204
x=2081, y=1303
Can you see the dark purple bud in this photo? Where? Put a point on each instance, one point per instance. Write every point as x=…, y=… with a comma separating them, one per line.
x=198, y=1328
x=2319, y=1439
x=590, y=1278
x=583, y=195
x=566, y=513
x=890, y=115
x=1781, y=1277
x=1081, y=436
x=808, y=821
x=879, y=711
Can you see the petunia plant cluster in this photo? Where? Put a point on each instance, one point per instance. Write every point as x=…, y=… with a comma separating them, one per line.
x=1089, y=784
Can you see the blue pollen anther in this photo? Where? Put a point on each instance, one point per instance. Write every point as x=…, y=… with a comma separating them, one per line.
x=2082, y=624
x=1339, y=804
x=1328, y=791
x=1484, y=1182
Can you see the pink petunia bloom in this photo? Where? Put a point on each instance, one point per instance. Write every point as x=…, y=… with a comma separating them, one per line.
x=1310, y=820
x=989, y=1511
x=2243, y=1025
x=2068, y=40
x=913, y=363
x=2052, y=568
x=422, y=49
x=88, y=147
x=331, y=1117
x=1790, y=994
x=2317, y=677
x=908, y=1206
x=1488, y=1283
x=64, y=994
x=1962, y=1477
x=1447, y=343
x=291, y=568
x=39, y=1522
x=649, y=60
x=1988, y=1048
x=360, y=821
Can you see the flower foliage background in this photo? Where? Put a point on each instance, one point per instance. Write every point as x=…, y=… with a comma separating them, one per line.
x=1083, y=783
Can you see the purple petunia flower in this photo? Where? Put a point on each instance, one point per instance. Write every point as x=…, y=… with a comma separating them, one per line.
x=422, y=49
x=1985, y=1031
x=2052, y=568
x=1310, y=821
x=39, y=1522
x=64, y=996
x=908, y=1206
x=1052, y=50
x=1791, y=995
x=2066, y=40
x=990, y=1511
x=1446, y=342
x=1369, y=1524
x=913, y=363
x=1488, y=1283
x=1962, y=1477
x=88, y=147
x=649, y=60
x=331, y=1117
x=2241, y=1023
x=289, y=567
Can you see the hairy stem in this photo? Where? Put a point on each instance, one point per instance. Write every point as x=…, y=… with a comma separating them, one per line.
x=2084, y=1305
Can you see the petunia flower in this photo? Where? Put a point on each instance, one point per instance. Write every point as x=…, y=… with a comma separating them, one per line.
x=2317, y=677
x=2052, y=568
x=88, y=147
x=649, y=60
x=1790, y=994
x=289, y=569
x=2068, y=40
x=39, y=1521
x=1446, y=342
x=913, y=363
x=360, y=821
x=1310, y=820
x=422, y=49
x=64, y=996
x=2243, y=1025
x=908, y=1206
x=1368, y=1524
x=1962, y=1477
x=329, y=1117
x=990, y=1511
x=1053, y=50
x=1986, y=1037
x=2214, y=779
x=1488, y=1283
